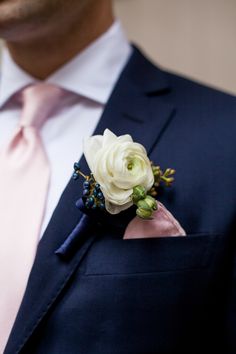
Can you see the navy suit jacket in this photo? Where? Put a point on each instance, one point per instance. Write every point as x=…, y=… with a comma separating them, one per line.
x=159, y=295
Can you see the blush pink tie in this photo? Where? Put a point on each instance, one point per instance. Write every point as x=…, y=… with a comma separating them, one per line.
x=24, y=181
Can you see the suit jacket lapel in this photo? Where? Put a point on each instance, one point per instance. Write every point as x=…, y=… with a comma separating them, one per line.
x=130, y=110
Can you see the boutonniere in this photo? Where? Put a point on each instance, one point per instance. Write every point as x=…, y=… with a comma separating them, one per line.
x=121, y=176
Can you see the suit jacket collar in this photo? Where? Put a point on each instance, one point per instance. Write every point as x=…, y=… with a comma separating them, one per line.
x=132, y=110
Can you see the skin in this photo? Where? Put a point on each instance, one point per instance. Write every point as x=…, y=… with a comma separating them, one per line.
x=42, y=35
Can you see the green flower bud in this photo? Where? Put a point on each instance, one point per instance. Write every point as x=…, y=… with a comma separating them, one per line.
x=139, y=193
x=151, y=202
x=142, y=204
x=144, y=213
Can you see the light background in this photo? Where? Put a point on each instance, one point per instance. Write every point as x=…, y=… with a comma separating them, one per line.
x=194, y=37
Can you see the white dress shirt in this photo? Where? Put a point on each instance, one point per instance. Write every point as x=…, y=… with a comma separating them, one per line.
x=92, y=75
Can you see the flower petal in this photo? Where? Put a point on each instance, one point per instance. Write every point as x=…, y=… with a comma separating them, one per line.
x=92, y=146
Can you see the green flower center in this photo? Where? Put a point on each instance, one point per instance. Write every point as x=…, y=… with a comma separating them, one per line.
x=134, y=165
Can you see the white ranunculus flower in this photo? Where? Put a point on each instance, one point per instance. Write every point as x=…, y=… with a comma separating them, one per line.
x=118, y=165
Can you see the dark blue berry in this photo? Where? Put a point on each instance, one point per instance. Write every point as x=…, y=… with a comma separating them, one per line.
x=94, y=206
x=85, y=192
x=97, y=186
x=100, y=196
x=86, y=184
x=76, y=166
x=95, y=193
x=90, y=201
x=75, y=176
x=102, y=206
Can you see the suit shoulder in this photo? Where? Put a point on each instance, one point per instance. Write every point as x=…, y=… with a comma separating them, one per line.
x=192, y=100
x=186, y=88
x=153, y=77
x=211, y=112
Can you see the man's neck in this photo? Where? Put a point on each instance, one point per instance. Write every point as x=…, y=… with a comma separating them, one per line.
x=43, y=55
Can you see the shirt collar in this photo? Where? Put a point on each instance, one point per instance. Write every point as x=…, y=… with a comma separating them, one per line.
x=13, y=78
x=92, y=73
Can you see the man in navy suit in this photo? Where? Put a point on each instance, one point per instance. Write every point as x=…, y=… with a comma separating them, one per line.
x=104, y=294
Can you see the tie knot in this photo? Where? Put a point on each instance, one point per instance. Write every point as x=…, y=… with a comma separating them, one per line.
x=40, y=101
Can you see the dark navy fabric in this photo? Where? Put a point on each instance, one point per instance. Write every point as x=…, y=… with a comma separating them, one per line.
x=163, y=295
